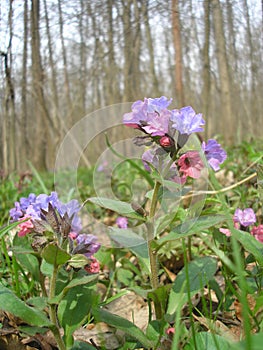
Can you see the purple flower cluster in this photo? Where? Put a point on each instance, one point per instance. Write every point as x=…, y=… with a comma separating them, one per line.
x=169, y=131
x=32, y=205
x=151, y=116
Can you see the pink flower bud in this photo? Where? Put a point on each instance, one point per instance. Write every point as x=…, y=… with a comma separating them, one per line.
x=165, y=141
x=170, y=330
x=257, y=232
x=25, y=227
x=93, y=267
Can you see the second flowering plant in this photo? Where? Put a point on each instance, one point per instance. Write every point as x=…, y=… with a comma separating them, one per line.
x=61, y=258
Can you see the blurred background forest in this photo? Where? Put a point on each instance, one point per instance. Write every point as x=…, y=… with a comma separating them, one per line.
x=63, y=59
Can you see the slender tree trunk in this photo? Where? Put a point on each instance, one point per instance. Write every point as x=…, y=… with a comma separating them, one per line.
x=112, y=88
x=154, y=80
x=9, y=125
x=132, y=46
x=253, y=77
x=25, y=151
x=206, y=68
x=54, y=89
x=227, y=116
x=44, y=128
x=83, y=64
x=65, y=65
x=178, y=53
x=126, y=18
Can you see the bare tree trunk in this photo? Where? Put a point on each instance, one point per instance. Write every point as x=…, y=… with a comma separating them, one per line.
x=53, y=70
x=83, y=64
x=178, y=53
x=154, y=80
x=253, y=72
x=227, y=116
x=25, y=152
x=132, y=44
x=206, y=68
x=9, y=125
x=65, y=65
x=45, y=128
x=113, y=89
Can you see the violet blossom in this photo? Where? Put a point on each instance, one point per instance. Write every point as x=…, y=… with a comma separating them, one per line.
x=214, y=154
x=245, y=217
x=186, y=121
x=151, y=116
x=122, y=222
x=86, y=244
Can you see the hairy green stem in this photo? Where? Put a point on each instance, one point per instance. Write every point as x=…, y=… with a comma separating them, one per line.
x=152, y=253
x=53, y=311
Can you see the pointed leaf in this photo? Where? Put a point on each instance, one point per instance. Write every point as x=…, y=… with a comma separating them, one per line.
x=192, y=227
x=55, y=255
x=122, y=324
x=250, y=244
x=200, y=271
x=78, y=261
x=74, y=308
x=4, y=230
x=125, y=237
x=205, y=340
x=11, y=303
x=120, y=207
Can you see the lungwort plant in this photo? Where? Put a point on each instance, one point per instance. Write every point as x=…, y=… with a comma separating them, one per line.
x=177, y=169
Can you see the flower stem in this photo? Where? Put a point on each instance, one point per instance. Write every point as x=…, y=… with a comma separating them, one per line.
x=53, y=311
x=152, y=253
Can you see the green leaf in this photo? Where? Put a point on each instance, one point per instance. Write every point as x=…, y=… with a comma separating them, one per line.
x=162, y=223
x=192, y=227
x=78, y=261
x=124, y=276
x=77, y=281
x=210, y=341
x=141, y=252
x=154, y=330
x=200, y=271
x=54, y=255
x=122, y=324
x=250, y=244
x=26, y=256
x=160, y=296
x=4, y=230
x=74, y=308
x=125, y=237
x=128, y=239
x=120, y=207
x=46, y=268
x=256, y=343
x=32, y=330
x=38, y=302
x=81, y=345
x=11, y=303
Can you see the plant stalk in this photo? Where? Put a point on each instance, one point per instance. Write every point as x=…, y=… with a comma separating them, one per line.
x=152, y=253
x=53, y=311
